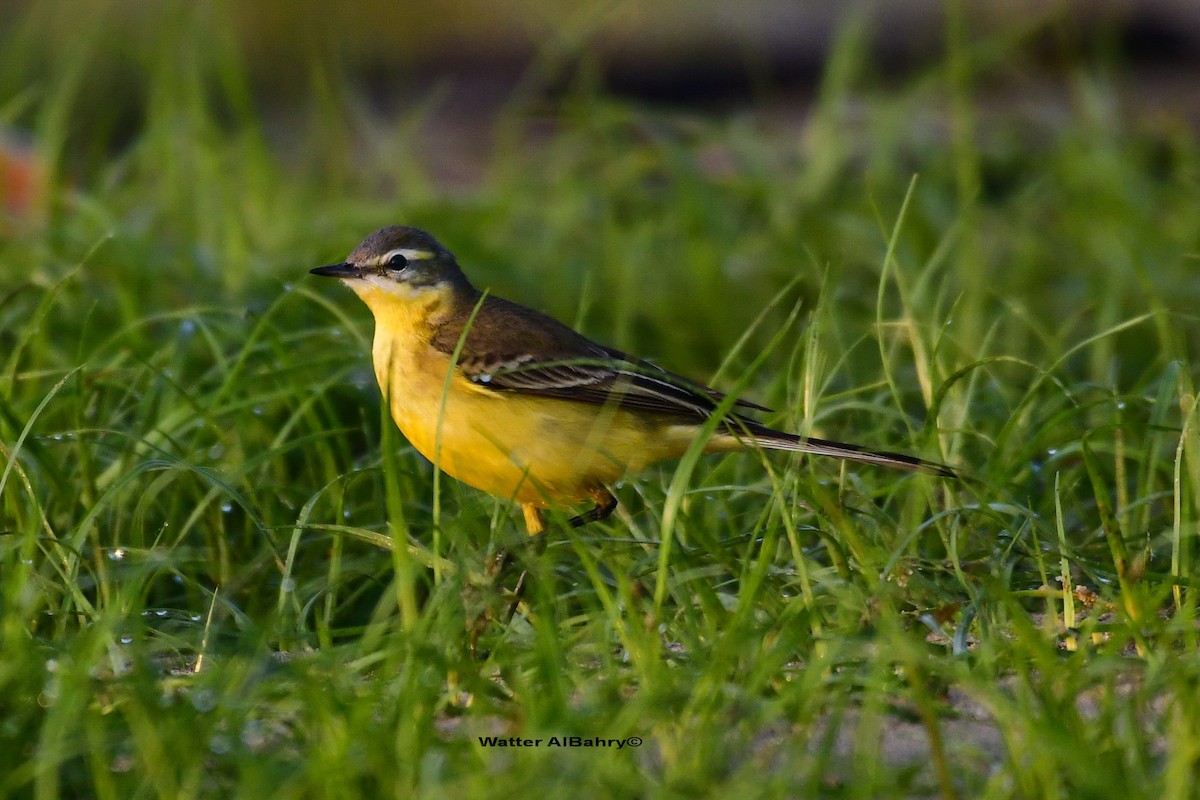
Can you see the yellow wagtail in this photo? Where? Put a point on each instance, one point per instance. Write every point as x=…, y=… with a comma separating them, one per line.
x=531, y=410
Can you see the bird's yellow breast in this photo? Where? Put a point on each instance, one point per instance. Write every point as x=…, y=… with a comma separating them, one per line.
x=533, y=449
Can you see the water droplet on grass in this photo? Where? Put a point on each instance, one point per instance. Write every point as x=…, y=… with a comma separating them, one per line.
x=204, y=700
x=122, y=763
x=254, y=734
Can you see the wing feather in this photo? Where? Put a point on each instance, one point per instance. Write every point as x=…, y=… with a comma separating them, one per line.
x=511, y=348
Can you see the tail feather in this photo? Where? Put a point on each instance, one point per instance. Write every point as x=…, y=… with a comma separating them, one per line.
x=778, y=440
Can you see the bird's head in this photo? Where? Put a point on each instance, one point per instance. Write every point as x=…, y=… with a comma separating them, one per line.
x=398, y=263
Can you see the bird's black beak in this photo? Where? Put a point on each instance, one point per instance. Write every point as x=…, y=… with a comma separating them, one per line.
x=338, y=271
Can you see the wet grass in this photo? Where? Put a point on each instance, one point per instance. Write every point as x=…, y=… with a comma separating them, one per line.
x=224, y=573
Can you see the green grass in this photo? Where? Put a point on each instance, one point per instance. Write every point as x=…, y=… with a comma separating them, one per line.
x=224, y=574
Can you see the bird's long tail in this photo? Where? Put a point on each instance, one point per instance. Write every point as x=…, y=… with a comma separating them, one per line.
x=765, y=437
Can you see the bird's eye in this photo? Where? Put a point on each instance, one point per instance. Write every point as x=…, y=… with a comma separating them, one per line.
x=397, y=261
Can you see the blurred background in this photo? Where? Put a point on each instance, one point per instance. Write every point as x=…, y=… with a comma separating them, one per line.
x=557, y=144
x=451, y=68
x=963, y=229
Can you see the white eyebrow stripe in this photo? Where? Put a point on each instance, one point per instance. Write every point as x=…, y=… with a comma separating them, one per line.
x=408, y=253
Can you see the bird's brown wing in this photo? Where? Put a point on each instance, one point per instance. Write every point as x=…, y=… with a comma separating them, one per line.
x=511, y=348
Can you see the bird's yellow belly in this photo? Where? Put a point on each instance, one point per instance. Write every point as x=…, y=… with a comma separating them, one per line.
x=534, y=450
x=511, y=452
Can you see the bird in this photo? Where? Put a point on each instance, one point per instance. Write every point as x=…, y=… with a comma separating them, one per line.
x=513, y=402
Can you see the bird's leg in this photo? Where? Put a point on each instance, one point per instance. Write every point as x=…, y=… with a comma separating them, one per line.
x=518, y=594
x=606, y=504
x=534, y=524
x=491, y=573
